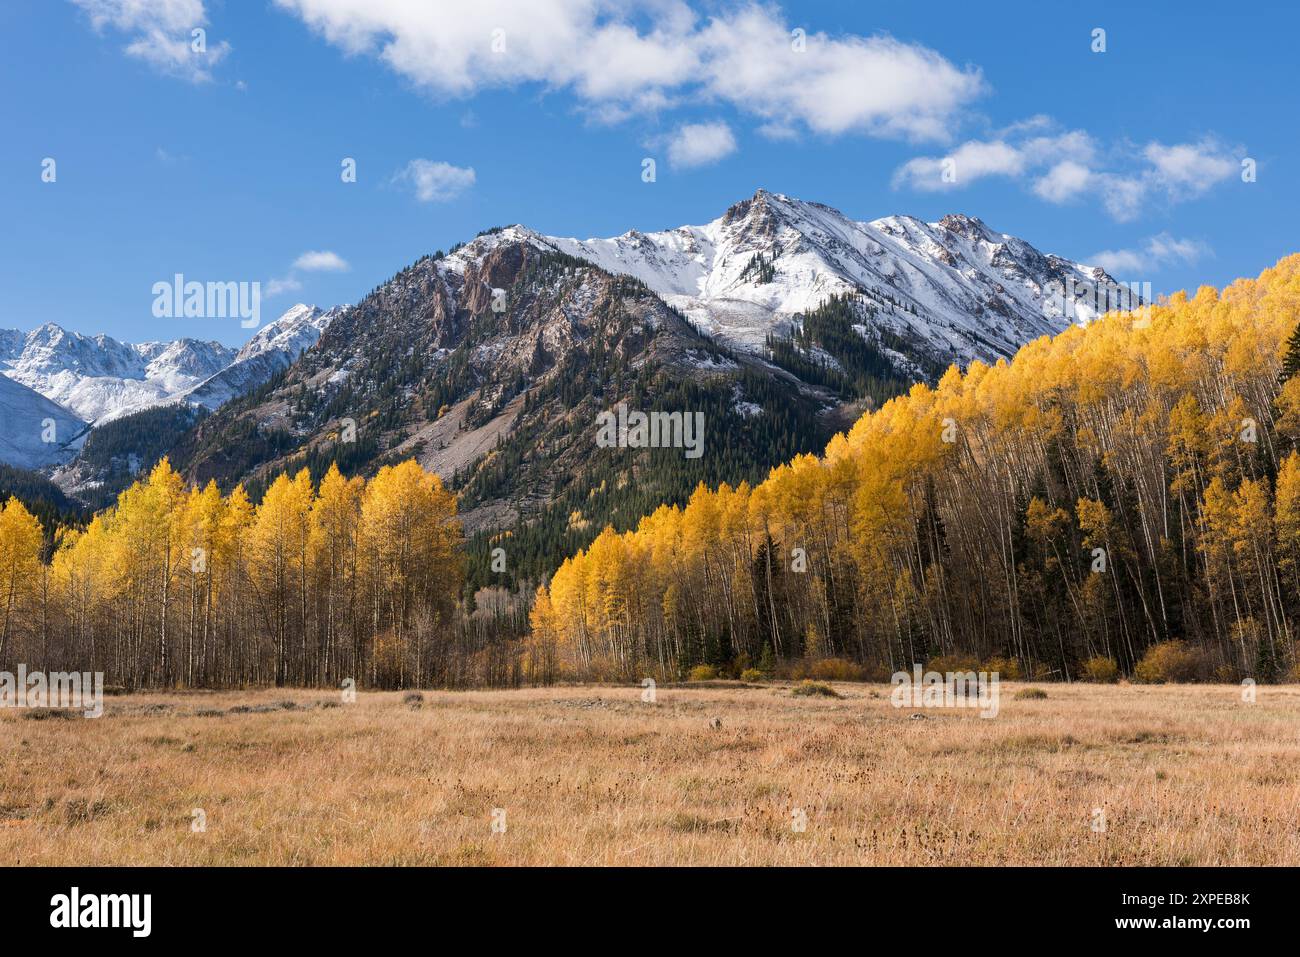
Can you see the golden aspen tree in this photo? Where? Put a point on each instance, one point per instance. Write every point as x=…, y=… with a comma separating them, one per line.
x=20, y=556
x=276, y=565
x=334, y=526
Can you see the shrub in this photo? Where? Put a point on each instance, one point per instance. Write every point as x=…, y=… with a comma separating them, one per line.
x=1007, y=669
x=1031, y=694
x=1171, y=661
x=1100, y=669
x=751, y=675
x=836, y=669
x=1227, y=674
x=946, y=663
x=702, y=673
x=877, y=671
x=814, y=688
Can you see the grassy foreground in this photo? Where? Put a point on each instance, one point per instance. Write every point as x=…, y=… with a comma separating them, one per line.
x=592, y=775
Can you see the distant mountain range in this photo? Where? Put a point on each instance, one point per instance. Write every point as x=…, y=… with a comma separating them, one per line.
x=93, y=380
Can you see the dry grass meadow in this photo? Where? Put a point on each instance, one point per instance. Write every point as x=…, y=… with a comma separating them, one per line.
x=594, y=776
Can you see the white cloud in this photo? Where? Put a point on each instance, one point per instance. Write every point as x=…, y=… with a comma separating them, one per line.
x=969, y=162
x=435, y=182
x=621, y=57
x=278, y=287
x=161, y=34
x=1064, y=181
x=1066, y=166
x=1008, y=155
x=1122, y=196
x=1156, y=252
x=851, y=84
x=698, y=144
x=1074, y=146
x=1189, y=169
x=320, y=261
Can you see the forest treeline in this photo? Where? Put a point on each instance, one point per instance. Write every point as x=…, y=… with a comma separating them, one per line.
x=1123, y=496
x=1124, y=492
x=177, y=586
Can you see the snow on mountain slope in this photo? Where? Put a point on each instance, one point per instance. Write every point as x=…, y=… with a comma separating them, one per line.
x=294, y=332
x=36, y=432
x=955, y=289
x=275, y=347
x=99, y=379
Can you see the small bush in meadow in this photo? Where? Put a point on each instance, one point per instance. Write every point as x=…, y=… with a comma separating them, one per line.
x=813, y=689
x=751, y=675
x=702, y=673
x=1031, y=694
x=1171, y=661
x=1101, y=670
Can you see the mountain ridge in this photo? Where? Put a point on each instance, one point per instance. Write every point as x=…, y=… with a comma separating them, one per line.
x=98, y=378
x=955, y=288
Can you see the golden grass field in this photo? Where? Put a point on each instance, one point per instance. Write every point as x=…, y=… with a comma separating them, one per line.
x=594, y=776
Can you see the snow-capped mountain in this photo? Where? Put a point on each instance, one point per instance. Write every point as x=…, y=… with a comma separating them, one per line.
x=274, y=348
x=98, y=379
x=956, y=290
x=36, y=431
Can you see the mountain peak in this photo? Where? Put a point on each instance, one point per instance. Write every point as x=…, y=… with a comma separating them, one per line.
x=953, y=291
x=48, y=332
x=971, y=227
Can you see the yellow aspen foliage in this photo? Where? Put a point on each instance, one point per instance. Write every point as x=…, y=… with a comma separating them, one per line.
x=966, y=517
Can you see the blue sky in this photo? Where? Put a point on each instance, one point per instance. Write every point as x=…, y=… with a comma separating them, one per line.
x=224, y=164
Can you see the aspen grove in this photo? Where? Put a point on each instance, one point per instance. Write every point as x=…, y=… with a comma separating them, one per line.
x=177, y=586
x=1126, y=491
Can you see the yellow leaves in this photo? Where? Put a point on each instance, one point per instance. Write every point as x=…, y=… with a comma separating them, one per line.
x=408, y=526
x=1043, y=523
x=1286, y=513
x=282, y=523
x=1287, y=404
x=20, y=564
x=20, y=545
x=1252, y=519
x=1094, y=522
